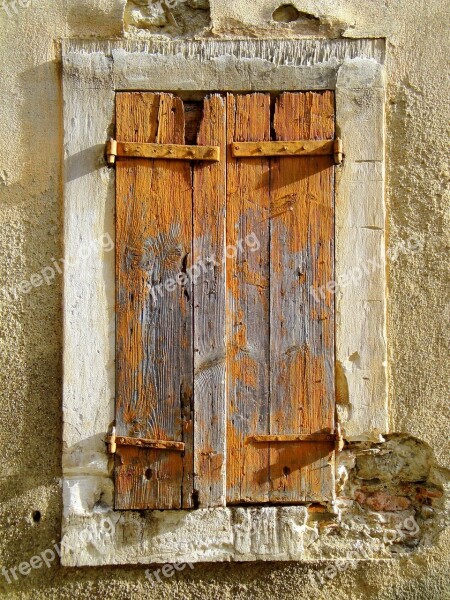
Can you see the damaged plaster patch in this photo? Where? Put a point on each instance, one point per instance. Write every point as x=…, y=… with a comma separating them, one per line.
x=286, y=13
x=390, y=501
x=166, y=17
x=390, y=496
x=399, y=460
x=283, y=20
x=145, y=15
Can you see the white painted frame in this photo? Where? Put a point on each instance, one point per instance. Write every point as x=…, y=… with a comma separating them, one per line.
x=92, y=73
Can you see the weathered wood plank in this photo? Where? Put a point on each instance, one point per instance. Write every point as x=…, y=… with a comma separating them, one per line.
x=154, y=315
x=302, y=328
x=209, y=310
x=248, y=119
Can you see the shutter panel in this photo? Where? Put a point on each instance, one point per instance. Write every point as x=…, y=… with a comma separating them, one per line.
x=301, y=329
x=281, y=341
x=154, y=324
x=239, y=346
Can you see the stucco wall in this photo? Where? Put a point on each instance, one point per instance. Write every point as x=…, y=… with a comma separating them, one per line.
x=30, y=322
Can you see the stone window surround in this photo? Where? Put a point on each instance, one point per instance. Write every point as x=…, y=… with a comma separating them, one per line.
x=92, y=72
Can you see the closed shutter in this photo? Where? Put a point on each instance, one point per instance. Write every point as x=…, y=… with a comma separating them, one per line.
x=219, y=336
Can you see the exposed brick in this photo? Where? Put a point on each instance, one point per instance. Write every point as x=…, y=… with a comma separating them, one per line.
x=382, y=501
x=422, y=493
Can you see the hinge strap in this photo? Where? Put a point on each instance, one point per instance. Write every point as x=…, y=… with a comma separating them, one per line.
x=301, y=437
x=294, y=437
x=295, y=148
x=115, y=149
x=118, y=440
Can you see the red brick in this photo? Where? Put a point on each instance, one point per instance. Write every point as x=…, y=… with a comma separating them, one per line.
x=382, y=501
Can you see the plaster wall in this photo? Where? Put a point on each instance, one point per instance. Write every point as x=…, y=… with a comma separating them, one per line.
x=30, y=322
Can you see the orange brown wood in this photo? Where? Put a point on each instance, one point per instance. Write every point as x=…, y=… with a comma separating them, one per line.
x=154, y=318
x=302, y=328
x=209, y=187
x=248, y=302
x=220, y=343
x=282, y=379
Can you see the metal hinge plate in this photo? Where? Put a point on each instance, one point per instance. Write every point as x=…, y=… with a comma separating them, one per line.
x=296, y=148
x=301, y=437
x=115, y=149
x=114, y=440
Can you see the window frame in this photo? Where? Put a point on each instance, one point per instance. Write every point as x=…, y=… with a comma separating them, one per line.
x=92, y=73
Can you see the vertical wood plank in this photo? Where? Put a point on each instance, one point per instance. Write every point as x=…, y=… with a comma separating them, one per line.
x=248, y=119
x=208, y=276
x=154, y=313
x=302, y=326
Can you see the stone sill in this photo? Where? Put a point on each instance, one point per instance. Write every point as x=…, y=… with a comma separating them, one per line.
x=208, y=535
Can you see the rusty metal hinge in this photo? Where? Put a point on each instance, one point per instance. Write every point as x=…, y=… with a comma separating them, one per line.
x=301, y=437
x=114, y=440
x=116, y=149
x=338, y=151
x=295, y=148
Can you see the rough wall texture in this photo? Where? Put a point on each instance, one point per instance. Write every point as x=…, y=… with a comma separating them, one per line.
x=30, y=321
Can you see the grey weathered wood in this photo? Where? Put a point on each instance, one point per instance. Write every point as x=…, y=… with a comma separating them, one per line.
x=301, y=328
x=248, y=119
x=154, y=313
x=209, y=207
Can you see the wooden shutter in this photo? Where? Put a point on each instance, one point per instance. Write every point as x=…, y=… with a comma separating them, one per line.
x=218, y=336
x=281, y=339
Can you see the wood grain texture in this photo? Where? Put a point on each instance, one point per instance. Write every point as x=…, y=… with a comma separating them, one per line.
x=301, y=327
x=209, y=183
x=248, y=119
x=154, y=317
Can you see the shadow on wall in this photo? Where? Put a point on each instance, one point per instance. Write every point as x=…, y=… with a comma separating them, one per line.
x=31, y=321
x=39, y=437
